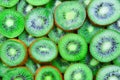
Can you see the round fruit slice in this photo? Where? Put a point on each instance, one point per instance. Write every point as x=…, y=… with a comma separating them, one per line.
x=37, y=2
x=11, y=23
x=115, y=26
x=78, y=72
x=104, y=12
x=19, y=73
x=48, y=73
x=39, y=22
x=110, y=72
x=8, y=3
x=70, y=15
x=43, y=50
x=105, y=46
x=72, y=47
x=13, y=52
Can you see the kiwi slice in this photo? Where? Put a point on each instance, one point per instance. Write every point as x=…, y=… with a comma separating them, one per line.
x=26, y=38
x=78, y=71
x=104, y=12
x=3, y=69
x=69, y=15
x=11, y=23
x=8, y=3
x=48, y=73
x=37, y=2
x=88, y=31
x=117, y=61
x=55, y=34
x=43, y=50
x=115, y=26
x=32, y=66
x=19, y=73
x=2, y=39
x=110, y=72
x=39, y=22
x=72, y=47
x=105, y=45
x=23, y=7
x=13, y=52
x=61, y=64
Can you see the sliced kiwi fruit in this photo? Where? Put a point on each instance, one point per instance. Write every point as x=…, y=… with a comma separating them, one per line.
x=78, y=71
x=48, y=73
x=117, y=61
x=105, y=45
x=3, y=69
x=110, y=72
x=39, y=22
x=23, y=7
x=37, y=2
x=115, y=26
x=8, y=3
x=31, y=65
x=69, y=15
x=13, y=52
x=26, y=38
x=55, y=34
x=61, y=64
x=43, y=50
x=104, y=12
x=11, y=23
x=2, y=39
x=19, y=73
x=72, y=47
x=88, y=31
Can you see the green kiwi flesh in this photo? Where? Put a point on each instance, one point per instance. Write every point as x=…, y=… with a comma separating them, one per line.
x=11, y=23
x=88, y=31
x=37, y=2
x=13, y=52
x=105, y=45
x=117, y=61
x=48, y=73
x=26, y=38
x=43, y=50
x=78, y=71
x=19, y=73
x=104, y=12
x=8, y=3
x=69, y=15
x=110, y=72
x=72, y=47
x=55, y=34
x=39, y=22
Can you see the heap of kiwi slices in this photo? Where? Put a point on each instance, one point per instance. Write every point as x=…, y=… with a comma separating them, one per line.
x=59, y=39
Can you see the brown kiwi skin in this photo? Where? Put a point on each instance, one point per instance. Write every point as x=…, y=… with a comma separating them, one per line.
x=26, y=56
x=30, y=55
x=94, y=24
x=47, y=32
x=60, y=26
x=39, y=69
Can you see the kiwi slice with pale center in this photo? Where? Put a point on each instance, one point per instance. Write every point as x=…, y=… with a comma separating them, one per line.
x=69, y=15
x=110, y=72
x=19, y=73
x=11, y=23
x=105, y=45
x=43, y=50
x=39, y=22
x=37, y=2
x=78, y=71
x=8, y=3
x=72, y=47
x=48, y=73
x=13, y=52
x=104, y=12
